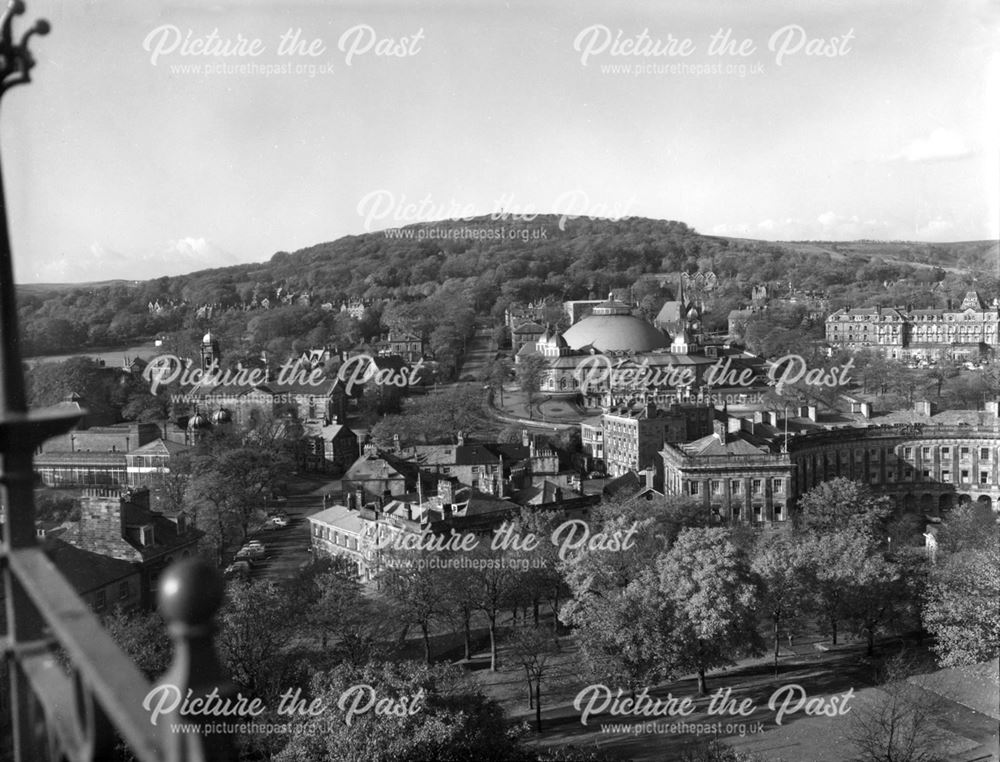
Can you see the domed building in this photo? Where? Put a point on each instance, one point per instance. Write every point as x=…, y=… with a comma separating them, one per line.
x=612, y=327
x=613, y=357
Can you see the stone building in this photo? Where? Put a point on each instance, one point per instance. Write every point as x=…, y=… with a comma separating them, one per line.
x=732, y=477
x=925, y=461
x=629, y=438
x=405, y=344
x=612, y=356
x=969, y=331
x=122, y=526
x=105, y=583
x=485, y=466
x=339, y=532
x=300, y=391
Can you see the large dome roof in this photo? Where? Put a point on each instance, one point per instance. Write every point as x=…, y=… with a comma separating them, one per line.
x=615, y=333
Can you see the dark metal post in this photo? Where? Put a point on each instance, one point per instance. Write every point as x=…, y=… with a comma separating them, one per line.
x=19, y=432
x=35, y=592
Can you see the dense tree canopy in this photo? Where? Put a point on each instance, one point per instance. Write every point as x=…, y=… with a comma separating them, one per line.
x=580, y=258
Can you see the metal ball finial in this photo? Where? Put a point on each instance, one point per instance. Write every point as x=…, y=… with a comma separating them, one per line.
x=190, y=592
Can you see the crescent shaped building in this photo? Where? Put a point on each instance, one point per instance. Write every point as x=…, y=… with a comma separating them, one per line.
x=927, y=462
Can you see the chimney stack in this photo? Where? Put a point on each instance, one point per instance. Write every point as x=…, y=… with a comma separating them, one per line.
x=445, y=491
x=648, y=476
x=720, y=429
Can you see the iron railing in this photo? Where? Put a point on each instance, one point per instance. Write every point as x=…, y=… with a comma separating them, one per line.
x=73, y=693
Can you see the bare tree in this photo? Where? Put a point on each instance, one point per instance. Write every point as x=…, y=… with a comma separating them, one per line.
x=534, y=648
x=899, y=724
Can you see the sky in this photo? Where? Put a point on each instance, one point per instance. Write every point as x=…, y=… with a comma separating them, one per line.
x=163, y=138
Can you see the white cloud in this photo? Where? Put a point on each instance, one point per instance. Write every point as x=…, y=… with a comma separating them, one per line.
x=828, y=226
x=104, y=262
x=193, y=254
x=938, y=229
x=940, y=145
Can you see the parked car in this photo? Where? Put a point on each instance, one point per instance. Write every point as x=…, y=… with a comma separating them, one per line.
x=276, y=522
x=240, y=568
x=251, y=553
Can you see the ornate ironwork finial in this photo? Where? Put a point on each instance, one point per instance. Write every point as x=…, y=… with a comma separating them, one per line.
x=190, y=594
x=16, y=61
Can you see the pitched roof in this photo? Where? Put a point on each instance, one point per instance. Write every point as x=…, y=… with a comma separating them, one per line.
x=81, y=458
x=160, y=447
x=339, y=516
x=530, y=327
x=626, y=484
x=711, y=445
x=85, y=570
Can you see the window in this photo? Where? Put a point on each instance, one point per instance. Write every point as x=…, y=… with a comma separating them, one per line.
x=100, y=600
x=716, y=486
x=984, y=477
x=946, y=476
x=123, y=590
x=737, y=486
x=963, y=452
x=779, y=485
x=926, y=473
x=984, y=453
x=945, y=452
x=692, y=488
x=756, y=486
x=779, y=514
x=925, y=452
x=965, y=475
x=907, y=452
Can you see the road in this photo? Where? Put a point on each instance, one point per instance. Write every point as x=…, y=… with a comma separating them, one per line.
x=477, y=355
x=287, y=547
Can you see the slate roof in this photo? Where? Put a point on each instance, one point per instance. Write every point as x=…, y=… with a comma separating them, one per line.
x=341, y=517
x=712, y=445
x=84, y=570
x=160, y=447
